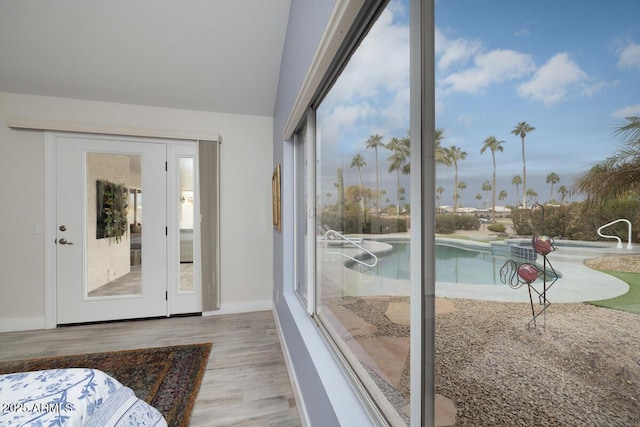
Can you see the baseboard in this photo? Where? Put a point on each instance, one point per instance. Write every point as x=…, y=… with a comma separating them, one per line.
x=241, y=307
x=21, y=324
x=295, y=386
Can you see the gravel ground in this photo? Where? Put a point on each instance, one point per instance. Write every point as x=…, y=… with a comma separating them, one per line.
x=582, y=369
x=626, y=263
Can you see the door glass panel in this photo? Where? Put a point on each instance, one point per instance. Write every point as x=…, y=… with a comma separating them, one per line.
x=186, y=217
x=114, y=225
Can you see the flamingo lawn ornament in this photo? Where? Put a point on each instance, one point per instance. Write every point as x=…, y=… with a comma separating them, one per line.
x=516, y=275
x=526, y=273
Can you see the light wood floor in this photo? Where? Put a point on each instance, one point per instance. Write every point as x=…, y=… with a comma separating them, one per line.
x=246, y=381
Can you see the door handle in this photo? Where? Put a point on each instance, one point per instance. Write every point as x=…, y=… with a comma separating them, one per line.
x=64, y=241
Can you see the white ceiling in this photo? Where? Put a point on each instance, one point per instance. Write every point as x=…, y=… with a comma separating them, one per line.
x=210, y=55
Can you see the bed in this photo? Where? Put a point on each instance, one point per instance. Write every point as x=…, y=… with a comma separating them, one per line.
x=72, y=397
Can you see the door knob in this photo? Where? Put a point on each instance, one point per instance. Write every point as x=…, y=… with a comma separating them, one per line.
x=64, y=241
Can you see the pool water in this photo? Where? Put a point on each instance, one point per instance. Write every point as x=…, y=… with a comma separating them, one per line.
x=453, y=265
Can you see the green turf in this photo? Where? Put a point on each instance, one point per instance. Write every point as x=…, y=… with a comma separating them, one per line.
x=629, y=302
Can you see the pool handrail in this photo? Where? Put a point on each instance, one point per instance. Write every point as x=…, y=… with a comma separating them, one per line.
x=352, y=242
x=619, y=245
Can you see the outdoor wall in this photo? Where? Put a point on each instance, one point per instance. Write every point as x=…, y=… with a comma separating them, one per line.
x=245, y=205
x=327, y=397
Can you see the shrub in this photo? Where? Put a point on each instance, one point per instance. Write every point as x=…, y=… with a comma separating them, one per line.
x=576, y=222
x=521, y=221
x=448, y=224
x=445, y=224
x=467, y=222
x=384, y=225
x=353, y=222
x=497, y=228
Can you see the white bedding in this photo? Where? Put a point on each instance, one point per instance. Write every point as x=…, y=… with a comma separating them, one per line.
x=71, y=397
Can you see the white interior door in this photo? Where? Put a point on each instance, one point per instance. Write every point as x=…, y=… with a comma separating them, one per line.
x=107, y=268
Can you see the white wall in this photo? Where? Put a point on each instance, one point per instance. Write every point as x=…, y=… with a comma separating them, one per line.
x=246, y=167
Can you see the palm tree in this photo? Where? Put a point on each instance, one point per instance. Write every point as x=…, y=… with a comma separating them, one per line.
x=439, y=190
x=617, y=176
x=462, y=186
x=455, y=154
x=486, y=187
x=552, y=178
x=478, y=198
x=494, y=145
x=502, y=196
x=406, y=141
x=563, y=193
x=441, y=152
x=532, y=194
x=374, y=142
x=398, y=159
x=521, y=130
x=339, y=184
x=516, y=180
x=360, y=195
x=359, y=162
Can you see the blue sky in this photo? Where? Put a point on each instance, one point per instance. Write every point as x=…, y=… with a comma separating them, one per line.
x=569, y=68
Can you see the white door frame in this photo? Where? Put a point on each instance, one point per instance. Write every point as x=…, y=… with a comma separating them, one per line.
x=50, y=234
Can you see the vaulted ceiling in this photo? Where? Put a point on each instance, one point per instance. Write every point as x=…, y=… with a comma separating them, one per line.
x=210, y=55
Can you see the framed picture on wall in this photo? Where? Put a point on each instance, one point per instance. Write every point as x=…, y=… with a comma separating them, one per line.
x=275, y=198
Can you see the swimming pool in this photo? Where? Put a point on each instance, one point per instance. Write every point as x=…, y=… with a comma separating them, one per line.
x=453, y=265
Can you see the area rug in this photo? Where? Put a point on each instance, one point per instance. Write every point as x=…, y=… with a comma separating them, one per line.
x=167, y=378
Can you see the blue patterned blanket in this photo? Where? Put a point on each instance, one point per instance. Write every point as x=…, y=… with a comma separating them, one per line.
x=71, y=397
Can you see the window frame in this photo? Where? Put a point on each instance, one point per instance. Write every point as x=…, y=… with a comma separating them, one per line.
x=308, y=127
x=339, y=42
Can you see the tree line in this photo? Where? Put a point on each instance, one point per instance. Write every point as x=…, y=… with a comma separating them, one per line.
x=399, y=163
x=615, y=178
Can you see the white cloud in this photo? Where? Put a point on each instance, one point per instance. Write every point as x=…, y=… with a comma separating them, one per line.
x=628, y=111
x=629, y=57
x=372, y=93
x=593, y=88
x=553, y=80
x=395, y=116
x=440, y=42
x=457, y=51
x=465, y=119
x=334, y=122
x=381, y=63
x=493, y=67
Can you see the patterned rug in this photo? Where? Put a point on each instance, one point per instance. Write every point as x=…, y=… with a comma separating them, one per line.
x=167, y=378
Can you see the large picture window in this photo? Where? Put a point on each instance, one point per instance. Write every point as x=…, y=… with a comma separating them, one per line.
x=361, y=214
x=515, y=116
